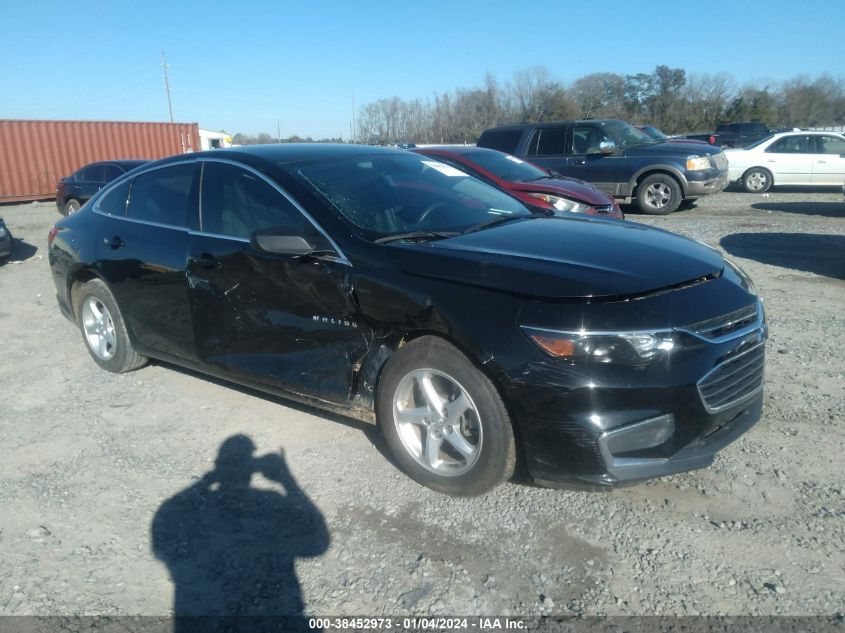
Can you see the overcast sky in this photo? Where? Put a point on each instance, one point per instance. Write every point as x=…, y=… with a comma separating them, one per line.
x=240, y=66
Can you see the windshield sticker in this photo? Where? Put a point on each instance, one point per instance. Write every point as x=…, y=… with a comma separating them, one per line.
x=513, y=158
x=443, y=168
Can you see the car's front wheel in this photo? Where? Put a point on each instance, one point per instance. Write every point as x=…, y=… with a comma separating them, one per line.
x=659, y=194
x=757, y=180
x=104, y=330
x=444, y=420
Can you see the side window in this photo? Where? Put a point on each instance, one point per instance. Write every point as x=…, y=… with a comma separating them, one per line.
x=586, y=139
x=92, y=173
x=110, y=172
x=551, y=141
x=791, y=145
x=830, y=145
x=502, y=140
x=114, y=202
x=162, y=195
x=236, y=203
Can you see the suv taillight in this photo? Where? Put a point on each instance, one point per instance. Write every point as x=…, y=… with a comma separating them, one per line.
x=712, y=139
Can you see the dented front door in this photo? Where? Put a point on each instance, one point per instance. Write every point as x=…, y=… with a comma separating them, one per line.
x=281, y=320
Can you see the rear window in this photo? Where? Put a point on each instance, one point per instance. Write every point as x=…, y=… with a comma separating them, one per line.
x=162, y=195
x=753, y=128
x=502, y=140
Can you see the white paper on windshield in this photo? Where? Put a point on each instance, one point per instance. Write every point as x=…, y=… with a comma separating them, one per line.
x=514, y=159
x=443, y=168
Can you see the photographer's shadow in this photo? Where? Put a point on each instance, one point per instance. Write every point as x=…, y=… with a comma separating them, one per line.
x=230, y=548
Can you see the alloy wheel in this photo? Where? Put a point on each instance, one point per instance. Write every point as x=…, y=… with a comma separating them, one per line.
x=658, y=195
x=99, y=328
x=437, y=422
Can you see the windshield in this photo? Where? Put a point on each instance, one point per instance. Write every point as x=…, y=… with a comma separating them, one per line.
x=625, y=135
x=505, y=166
x=390, y=194
x=654, y=133
x=760, y=142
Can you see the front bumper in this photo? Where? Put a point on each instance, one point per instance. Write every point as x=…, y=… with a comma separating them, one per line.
x=698, y=188
x=6, y=244
x=604, y=426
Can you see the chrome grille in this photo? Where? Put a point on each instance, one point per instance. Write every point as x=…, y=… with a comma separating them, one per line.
x=725, y=324
x=720, y=160
x=734, y=381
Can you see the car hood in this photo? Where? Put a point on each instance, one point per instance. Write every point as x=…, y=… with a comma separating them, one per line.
x=571, y=187
x=673, y=149
x=557, y=258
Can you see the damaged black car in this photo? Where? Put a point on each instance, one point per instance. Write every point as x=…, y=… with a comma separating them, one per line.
x=476, y=332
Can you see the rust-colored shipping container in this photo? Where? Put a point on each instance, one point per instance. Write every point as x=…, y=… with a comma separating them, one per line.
x=35, y=154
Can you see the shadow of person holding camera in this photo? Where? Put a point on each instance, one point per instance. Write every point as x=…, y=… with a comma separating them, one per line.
x=230, y=548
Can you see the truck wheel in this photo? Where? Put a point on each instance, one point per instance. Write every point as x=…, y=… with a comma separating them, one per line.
x=444, y=420
x=757, y=180
x=659, y=194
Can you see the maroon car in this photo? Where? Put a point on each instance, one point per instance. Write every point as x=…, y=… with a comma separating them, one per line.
x=527, y=182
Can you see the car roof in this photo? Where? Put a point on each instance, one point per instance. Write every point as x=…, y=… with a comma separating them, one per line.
x=456, y=149
x=287, y=152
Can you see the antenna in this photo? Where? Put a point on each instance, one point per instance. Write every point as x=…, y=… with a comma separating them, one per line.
x=167, y=85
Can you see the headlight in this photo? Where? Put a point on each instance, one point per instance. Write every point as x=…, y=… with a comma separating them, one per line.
x=560, y=203
x=623, y=348
x=2, y=231
x=747, y=284
x=695, y=163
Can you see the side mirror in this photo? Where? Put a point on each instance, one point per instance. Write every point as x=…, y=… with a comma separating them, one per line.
x=273, y=242
x=607, y=147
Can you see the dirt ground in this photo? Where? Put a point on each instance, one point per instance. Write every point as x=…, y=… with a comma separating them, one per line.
x=116, y=490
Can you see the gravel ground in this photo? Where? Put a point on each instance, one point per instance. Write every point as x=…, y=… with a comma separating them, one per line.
x=105, y=480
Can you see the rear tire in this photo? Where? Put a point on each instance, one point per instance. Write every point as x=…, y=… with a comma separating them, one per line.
x=659, y=194
x=72, y=206
x=444, y=420
x=104, y=330
x=757, y=180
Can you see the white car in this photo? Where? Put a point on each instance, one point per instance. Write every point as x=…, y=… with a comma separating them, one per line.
x=789, y=158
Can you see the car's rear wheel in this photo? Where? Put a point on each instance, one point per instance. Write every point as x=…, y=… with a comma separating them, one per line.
x=757, y=180
x=659, y=194
x=104, y=330
x=72, y=206
x=444, y=420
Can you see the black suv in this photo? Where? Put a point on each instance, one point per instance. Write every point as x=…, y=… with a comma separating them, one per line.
x=75, y=190
x=619, y=159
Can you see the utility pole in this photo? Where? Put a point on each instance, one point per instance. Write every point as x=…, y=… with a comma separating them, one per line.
x=167, y=85
x=354, y=130
x=278, y=130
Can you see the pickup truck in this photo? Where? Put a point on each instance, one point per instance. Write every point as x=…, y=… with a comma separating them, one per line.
x=618, y=159
x=733, y=135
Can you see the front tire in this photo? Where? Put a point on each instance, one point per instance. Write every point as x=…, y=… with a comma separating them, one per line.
x=659, y=194
x=104, y=330
x=757, y=180
x=444, y=420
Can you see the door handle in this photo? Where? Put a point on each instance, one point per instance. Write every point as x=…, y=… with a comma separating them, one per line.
x=822, y=162
x=205, y=260
x=579, y=161
x=114, y=242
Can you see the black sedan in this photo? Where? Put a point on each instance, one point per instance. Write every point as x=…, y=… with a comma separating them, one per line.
x=395, y=288
x=6, y=241
x=75, y=190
